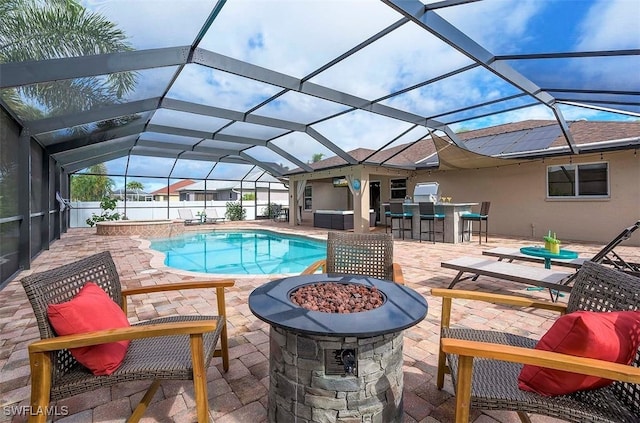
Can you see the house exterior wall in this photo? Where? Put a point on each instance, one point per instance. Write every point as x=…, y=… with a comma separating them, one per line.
x=163, y=197
x=519, y=206
x=327, y=197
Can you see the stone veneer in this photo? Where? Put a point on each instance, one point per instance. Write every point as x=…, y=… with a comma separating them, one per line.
x=144, y=228
x=301, y=392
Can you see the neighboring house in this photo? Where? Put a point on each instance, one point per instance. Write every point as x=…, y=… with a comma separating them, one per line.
x=171, y=192
x=132, y=195
x=232, y=191
x=210, y=191
x=525, y=169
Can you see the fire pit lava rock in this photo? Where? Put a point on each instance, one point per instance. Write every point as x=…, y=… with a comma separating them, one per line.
x=333, y=297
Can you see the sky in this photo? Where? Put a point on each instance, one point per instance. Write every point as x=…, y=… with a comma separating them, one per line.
x=296, y=37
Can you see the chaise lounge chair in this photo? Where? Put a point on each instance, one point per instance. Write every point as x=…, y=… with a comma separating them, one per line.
x=556, y=281
x=212, y=216
x=187, y=216
x=605, y=256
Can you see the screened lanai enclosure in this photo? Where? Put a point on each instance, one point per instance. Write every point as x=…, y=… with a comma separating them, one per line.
x=100, y=97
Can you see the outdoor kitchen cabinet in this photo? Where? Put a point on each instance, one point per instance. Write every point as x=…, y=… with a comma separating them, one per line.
x=338, y=219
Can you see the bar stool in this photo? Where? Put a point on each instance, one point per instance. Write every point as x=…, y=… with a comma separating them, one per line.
x=398, y=213
x=428, y=213
x=469, y=218
x=387, y=216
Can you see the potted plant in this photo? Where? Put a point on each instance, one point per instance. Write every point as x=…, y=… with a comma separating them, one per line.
x=552, y=243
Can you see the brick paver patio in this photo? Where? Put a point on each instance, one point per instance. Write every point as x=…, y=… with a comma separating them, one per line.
x=240, y=395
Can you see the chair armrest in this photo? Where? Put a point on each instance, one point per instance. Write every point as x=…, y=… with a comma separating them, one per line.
x=498, y=299
x=219, y=285
x=224, y=283
x=192, y=327
x=398, y=277
x=314, y=267
x=449, y=294
x=548, y=359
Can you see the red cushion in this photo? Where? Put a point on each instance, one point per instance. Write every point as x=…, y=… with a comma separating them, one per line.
x=610, y=336
x=91, y=310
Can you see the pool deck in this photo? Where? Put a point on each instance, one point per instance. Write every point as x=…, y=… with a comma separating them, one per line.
x=240, y=395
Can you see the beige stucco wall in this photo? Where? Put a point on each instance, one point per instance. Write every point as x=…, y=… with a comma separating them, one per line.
x=326, y=197
x=519, y=206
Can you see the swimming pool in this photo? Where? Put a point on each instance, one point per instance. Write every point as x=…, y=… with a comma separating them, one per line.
x=240, y=252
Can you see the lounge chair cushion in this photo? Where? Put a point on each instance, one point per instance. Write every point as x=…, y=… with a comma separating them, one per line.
x=91, y=310
x=610, y=336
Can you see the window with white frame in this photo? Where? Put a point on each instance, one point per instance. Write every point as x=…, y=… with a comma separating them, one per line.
x=398, y=188
x=578, y=180
x=307, y=198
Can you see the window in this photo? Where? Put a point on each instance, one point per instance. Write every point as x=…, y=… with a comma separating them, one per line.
x=398, y=188
x=307, y=198
x=582, y=180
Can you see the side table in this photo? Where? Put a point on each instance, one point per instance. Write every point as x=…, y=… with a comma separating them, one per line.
x=548, y=255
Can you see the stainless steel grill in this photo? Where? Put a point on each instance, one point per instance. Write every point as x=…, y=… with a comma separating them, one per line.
x=425, y=192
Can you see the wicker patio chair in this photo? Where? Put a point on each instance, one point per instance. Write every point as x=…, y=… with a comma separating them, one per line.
x=359, y=254
x=176, y=347
x=484, y=365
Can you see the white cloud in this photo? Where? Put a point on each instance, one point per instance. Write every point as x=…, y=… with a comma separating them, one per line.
x=495, y=24
x=294, y=37
x=297, y=37
x=530, y=113
x=203, y=85
x=155, y=23
x=300, y=108
x=610, y=25
x=394, y=62
x=302, y=146
x=361, y=129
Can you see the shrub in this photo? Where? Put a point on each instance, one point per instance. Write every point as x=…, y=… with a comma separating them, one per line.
x=235, y=211
x=272, y=210
x=107, y=205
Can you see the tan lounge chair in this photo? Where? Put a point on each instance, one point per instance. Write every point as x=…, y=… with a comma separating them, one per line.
x=556, y=281
x=605, y=256
x=212, y=216
x=477, y=266
x=188, y=217
x=508, y=255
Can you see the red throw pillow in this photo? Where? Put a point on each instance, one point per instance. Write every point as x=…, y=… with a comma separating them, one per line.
x=610, y=336
x=91, y=310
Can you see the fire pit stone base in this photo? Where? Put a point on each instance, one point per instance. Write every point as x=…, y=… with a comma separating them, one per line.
x=301, y=391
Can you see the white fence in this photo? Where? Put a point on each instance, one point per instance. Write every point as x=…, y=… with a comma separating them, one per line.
x=157, y=210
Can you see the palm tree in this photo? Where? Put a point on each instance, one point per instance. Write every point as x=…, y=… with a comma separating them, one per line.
x=48, y=29
x=92, y=186
x=134, y=186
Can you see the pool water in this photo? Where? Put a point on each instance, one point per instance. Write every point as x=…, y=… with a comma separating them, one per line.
x=240, y=252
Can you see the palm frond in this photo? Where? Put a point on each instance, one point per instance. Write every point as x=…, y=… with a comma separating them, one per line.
x=39, y=30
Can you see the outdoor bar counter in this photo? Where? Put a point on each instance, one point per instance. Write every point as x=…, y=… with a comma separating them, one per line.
x=452, y=221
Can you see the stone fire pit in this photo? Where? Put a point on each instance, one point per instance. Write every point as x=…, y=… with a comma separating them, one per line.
x=336, y=367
